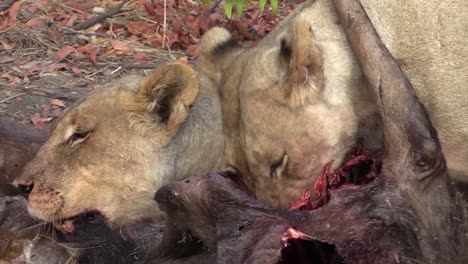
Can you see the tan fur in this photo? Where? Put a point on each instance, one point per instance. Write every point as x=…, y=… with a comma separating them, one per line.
x=280, y=122
x=429, y=38
x=306, y=63
x=281, y=147
x=182, y=81
x=136, y=141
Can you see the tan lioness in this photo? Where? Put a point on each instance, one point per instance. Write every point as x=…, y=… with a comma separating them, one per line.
x=299, y=100
x=113, y=150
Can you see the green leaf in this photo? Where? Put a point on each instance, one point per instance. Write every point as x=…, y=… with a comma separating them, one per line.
x=274, y=5
x=228, y=8
x=240, y=7
x=262, y=4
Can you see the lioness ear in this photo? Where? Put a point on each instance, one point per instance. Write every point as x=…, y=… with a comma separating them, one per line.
x=303, y=60
x=164, y=98
x=218, y=49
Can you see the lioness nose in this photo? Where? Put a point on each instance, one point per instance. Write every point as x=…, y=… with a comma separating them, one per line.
x=25, y=187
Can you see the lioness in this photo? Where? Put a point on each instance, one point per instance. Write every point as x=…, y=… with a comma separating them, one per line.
x=116, y=147
x=298, y=99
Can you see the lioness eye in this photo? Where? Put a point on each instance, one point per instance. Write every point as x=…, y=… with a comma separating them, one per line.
x=78, y=136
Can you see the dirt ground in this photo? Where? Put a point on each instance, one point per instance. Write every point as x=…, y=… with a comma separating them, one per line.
x=53, y=52
x=44, y=69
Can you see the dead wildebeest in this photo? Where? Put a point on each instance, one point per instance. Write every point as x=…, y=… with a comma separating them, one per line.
x=27, y=240
x=409, y=214
x=18, y=145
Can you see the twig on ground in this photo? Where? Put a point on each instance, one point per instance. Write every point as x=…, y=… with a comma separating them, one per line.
x=134, y=66
x=164, y=23
x=69, y=94
x=6, y=4
x=96, y=19
x=11, y=97
x=71, y=31
x=212, y=8
x=142, y=66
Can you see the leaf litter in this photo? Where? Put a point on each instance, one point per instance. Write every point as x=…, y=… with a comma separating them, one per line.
x=39, y=39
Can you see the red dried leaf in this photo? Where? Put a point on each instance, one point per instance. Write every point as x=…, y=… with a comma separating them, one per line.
x=121, y=47
x=116, y=27
x=134, y=38
x=175, y=39
x=42, y=3
x=178, y=26
x=13, y=12
x=156, y=40
x=204, y=23
x=140, y=57
x=149, y=7
x=138, y=28
x=193, y=50
x=242, y=27
x=4, y=25
x=92, y=57
x=173, y=3
x=6, y=60
x=35, y=22
x=89, y=51
x=86, y=49
x=184, y=39
x=195, y=29
x=76, y=70
x=7, y=76
x=216, y=18
x=34, y=69
x=6, y=46
x=57, y=103
x=56, y=112
x=64, y=52
x=189, y=20
x=56, y=66
x=38, y=121
x=45, y=111
x=11, y=78
x=260, y=29
x=71, y=20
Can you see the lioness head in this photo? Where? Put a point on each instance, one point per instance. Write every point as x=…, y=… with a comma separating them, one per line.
x=112, y=151
x=286, y=106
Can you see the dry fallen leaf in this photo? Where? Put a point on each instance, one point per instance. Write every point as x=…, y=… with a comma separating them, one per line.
x=56, y=66
x=38, y=121
x=11, y=78
x=64, y=52
x=6, y=46
x=34, y=69
x=120, y=47
x=89, y=51
x=76, y=70
x=57, y=103
x=193, y=50
x=140, y=57
x=6, y=60
x=35, y=22
x=13, y=12
x=137, y=28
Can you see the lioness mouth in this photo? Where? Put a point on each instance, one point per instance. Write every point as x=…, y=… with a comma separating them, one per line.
x=67, y=224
